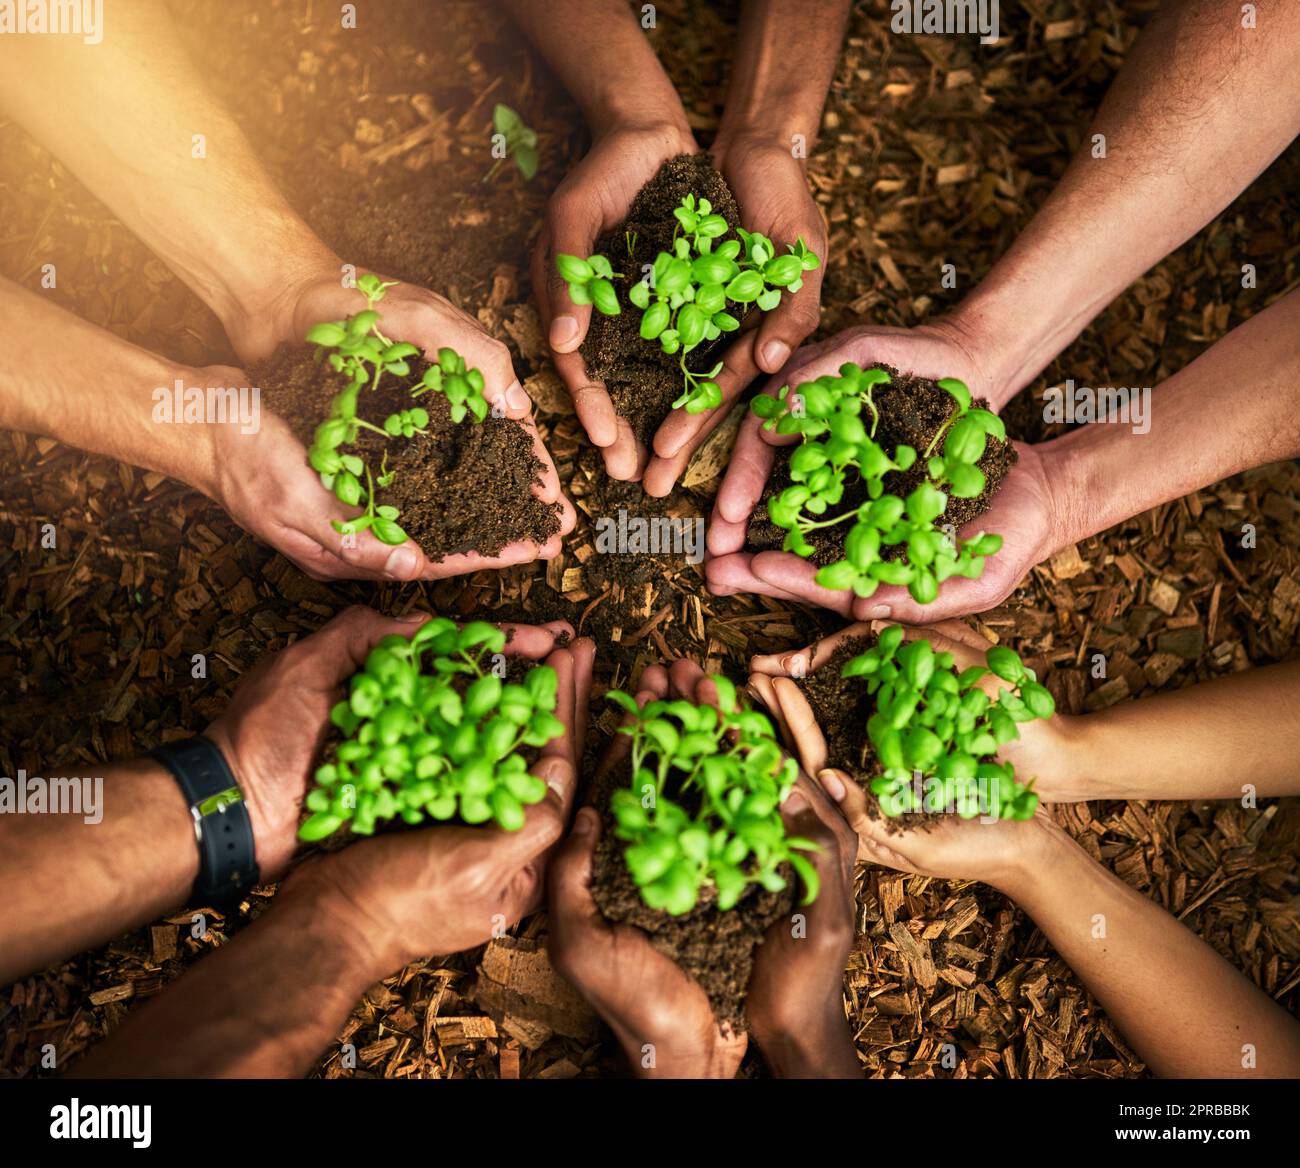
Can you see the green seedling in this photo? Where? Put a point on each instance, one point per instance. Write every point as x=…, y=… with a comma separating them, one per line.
x=933, y=723
x=417, y=744
x=520, y=142
x=358, y=349
x=837, y=419
x=726, y=764
x=685, y=299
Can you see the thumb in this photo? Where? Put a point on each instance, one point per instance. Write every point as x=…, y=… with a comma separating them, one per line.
x=572, y=233
x=851, y=799
x=573, y=913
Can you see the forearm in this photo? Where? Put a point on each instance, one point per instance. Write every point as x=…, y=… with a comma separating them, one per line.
x=1222, y=739
x=76, y=878
x=123, y=116
x=775, y=95
x=1231, y=409
x=1201, y=107
x=67, y=379
x=602, y=57
x=1182, y=1007
x=265, y=1005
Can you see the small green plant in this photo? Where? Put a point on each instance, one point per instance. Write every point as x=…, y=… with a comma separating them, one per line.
x=358, y=349
x=837, y=419
x=936, y=724
x=519, y=141
x=687, y=293
x=436, y=738
x=724, y=763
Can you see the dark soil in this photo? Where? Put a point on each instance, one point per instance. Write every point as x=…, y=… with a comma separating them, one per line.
x=912, y=409
x=841, y=706
x=463, y=487
x=716, y=948
x=643, y=381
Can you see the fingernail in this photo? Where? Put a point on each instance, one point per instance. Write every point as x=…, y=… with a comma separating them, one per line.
x=877, y=612
x=795, y=803
x=401, y=564
x=832, y=784
x=514, y=397
x=584, y=822
x=794, y=664
x=564, y=328
x=412, y=618
x=776, y=353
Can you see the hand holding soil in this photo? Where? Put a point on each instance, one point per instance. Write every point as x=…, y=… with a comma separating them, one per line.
x=593, y=197
x=447, y=888
x=1018, y=507
x=771, y=190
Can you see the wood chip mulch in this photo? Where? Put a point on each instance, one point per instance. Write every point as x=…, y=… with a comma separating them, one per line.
x=934, y=151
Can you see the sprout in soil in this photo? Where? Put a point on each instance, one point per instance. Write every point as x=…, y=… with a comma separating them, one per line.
x=837, y=420
x=686, y=295
x=358, y=349
x=703, y=808
x=435, y=738
x=936, y=724
x=519, y=142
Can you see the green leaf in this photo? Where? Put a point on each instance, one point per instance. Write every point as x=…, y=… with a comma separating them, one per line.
x=573, y=269
x=957, y=389
x=604, y=297
x=328, y=334
x=387, y=531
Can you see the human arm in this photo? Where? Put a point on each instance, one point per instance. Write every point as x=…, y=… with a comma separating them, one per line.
x=266, y=1004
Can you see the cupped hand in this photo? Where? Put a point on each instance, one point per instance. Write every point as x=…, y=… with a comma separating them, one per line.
x=771, y=189
x=660, y=1014
x=594, y=197
x=998, y=852
x=1023, y=511
x=795, y=1003
x=438, y=890
x=275, y=725
x=1041, y=751
x=263, y=479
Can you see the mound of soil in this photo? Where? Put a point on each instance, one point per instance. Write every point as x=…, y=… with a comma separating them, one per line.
x=643, y=381
x=716, y=948
x=912, y=409
x=463, y=487
x=841, y=706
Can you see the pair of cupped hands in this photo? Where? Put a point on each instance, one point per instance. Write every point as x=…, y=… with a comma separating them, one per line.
x=401, y=896
x=264, y=483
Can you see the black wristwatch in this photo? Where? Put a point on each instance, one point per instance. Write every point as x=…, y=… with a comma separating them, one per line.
x=222, y=827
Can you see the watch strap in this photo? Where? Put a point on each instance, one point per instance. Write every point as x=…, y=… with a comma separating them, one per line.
x=222, y=827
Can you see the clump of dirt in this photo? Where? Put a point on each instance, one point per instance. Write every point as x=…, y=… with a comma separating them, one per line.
x=912, y=410
x=841, y=707
x=716, y=948
x=463, y=487
x=643, y=381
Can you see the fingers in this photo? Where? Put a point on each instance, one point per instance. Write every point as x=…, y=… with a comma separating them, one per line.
x=534, y=641
x=760, y=687
x=591, y=399
x=746, y=477
x=653, y=687
x=584, y=659
x=682, y=433
x=342, y=645
x=797, y=662
x=852, y=802
x=787, y=326
x=798, y=577
x=570, y=231
x=683, y=678
x=501, y=384
x=626, y=458
x=807, y=736
x=574, y=917
x=727, y=575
